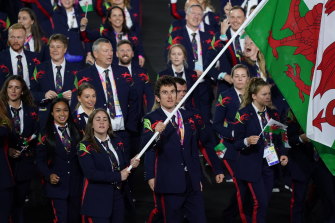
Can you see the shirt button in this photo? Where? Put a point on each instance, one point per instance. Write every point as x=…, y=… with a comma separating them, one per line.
x=68, y=172
x=68, y=161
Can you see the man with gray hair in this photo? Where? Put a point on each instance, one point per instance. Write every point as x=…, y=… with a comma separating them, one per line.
x=114, y=89
x=199, y=54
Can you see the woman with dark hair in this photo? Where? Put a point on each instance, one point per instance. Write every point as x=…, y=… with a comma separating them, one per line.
x=6, y=176
x=86, y=102
x=102, y=159
x=57, y=161
x=131, y=15
x=257, y=157
x=115, y=29
x=34, y=36
x=23, y=114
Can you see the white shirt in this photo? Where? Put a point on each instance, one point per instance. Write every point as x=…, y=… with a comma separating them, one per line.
x=259, y=117
x=118, y=121
x=14, y=60
x=31, y=45
x=71, y=19
x=174, y=72
x=128, y=18
x=111, y=148
x=62, y=71
x=20, y=115
x=127, y=66
x=241, y=40
x=167, y=113
x=81, y=111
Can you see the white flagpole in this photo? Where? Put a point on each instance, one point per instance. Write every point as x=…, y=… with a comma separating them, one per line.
x=246, y=22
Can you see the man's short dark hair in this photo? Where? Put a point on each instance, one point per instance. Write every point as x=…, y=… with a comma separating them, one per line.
x=59, y=37
x=179, y=80
x=164, y=81
x=236, y=7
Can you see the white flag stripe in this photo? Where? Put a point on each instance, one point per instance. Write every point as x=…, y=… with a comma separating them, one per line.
x=319, y=126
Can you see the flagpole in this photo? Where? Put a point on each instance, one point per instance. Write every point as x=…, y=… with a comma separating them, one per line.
x=246, y=22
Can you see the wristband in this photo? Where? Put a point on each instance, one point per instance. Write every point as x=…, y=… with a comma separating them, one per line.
x=223, y=37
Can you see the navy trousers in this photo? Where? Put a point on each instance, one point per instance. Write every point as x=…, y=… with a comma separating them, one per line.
x=66, y=210
x=189, y=204
x=6, y=202
x=260, y=192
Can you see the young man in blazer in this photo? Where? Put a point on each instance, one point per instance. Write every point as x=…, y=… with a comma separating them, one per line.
x=172, y=163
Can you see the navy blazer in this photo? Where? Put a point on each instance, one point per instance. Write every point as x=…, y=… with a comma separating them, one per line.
x=23, y=166
x=166, y=159
x=226, y=108
x=106, y=31
x=44, y=11
x=250, y=159
x=6, y=175
x=301, y=155
x=44, y=81
x=181, y=36
x=75, y=46
x=127, y=94
x=6, y=68
x=64, y=164
x=79, y=120
x=143, y=86
x=99, y=177
x=209, y=29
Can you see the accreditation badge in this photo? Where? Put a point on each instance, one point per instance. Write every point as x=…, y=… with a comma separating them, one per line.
x=270, y=155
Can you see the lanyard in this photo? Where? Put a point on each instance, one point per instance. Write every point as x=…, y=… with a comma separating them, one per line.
x=181, y=130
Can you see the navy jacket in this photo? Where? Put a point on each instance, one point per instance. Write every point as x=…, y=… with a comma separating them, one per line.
x=99, y=178
x=6, y=175
x=44, y=81
x=127, y=94
x=225, y=110
x=145, y=92
x=23, y=166
x=106, y=31
x=75, y=46
x=166, y=159
x=79, y=120
x=6, y=68
x=64, y=164
x=301, y=155
x=250, y=159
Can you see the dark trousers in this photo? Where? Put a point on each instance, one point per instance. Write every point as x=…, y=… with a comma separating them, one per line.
x=66, y=210
x=175, y=206
x=21, y=190
x=235, y=204
x=325, y=185
x=260, y=192
x=6, y=202
x=117, y=213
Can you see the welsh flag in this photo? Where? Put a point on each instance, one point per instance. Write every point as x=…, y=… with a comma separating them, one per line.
x=86, y=5
x=287, y=33
x=275, y=127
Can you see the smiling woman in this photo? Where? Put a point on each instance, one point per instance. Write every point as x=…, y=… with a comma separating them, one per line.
x=115, y=29
x=23, y=115
x=58, y=162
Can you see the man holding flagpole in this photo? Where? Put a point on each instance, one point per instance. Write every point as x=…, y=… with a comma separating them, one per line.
x=172, y=165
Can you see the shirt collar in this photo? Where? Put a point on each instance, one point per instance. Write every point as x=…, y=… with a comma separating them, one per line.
x=174, y=70
x=256, y=109
x=14, y=53
x=18, y=107
x=100, y=141
x=190, y=31
x=54, y=65
x=101, y=69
